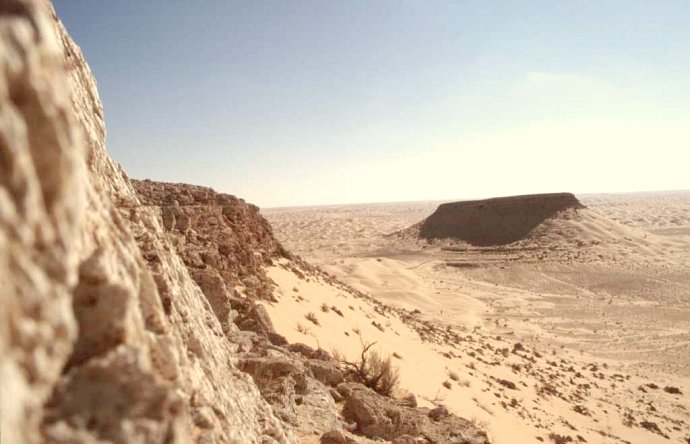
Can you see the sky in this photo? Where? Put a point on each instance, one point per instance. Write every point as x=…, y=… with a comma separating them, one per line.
x=287, y=103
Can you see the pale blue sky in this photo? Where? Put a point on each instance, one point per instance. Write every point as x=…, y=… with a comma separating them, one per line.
x=322, y=102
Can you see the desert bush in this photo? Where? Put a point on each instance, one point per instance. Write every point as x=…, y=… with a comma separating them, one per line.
x=454, y=376
x=546, y=389
x=378, y=325
x=311, y=317
x=373, y=370
x=324, y=308
x=302, y=329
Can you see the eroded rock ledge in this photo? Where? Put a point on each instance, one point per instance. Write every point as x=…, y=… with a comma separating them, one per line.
x=97, y=344
x=128, y=311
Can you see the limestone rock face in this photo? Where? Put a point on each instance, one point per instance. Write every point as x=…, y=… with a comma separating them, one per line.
x=289, y=384
x=225, y=244
x=127, y=311
x=215, y=232
x=105, y=336
x=377, y=417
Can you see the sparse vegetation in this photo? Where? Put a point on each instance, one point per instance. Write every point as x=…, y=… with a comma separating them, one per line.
x=507, y=384
x=560, y=439
x=447, y=385
x=303, y=329
x=454, y=376
x=378, y=326
x=311, y=317
x=546, y=389
x=373, y=370
x=324, y=308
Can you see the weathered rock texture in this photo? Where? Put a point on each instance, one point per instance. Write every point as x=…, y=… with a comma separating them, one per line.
x=224, y=242
x=497, y=221
x=128, y=312
x=98, y=344
x=377, y=417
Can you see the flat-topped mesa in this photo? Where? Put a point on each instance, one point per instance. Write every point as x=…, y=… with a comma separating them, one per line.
x=497, y=221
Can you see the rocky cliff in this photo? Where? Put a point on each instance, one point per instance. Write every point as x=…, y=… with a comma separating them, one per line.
x=128, y=310
x=226, y=241
x=97, y=343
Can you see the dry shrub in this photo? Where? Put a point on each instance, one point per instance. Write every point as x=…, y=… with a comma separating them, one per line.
x=324, y=308
x=302, y=329
x=479, y=423
x=373, y=371
x=312, y=318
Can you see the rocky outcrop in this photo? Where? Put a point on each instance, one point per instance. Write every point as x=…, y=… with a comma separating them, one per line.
x=497, y=221
x=105, y=335
x=377, y=417
x=290, y=385
x=225, y=244
x=216, y=235
x=128, y=310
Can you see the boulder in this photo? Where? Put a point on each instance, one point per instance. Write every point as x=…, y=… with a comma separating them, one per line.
x=328, y=373
x=378, y=417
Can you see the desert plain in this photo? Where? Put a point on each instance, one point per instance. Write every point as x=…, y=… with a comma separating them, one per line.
x=578, y=331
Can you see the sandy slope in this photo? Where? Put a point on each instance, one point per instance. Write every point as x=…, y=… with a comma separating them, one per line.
x=600, y=306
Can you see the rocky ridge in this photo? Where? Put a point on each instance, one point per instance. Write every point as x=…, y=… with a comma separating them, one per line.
x=304, y=386
x=223, y=241
x=130, y=313
x=97, y=345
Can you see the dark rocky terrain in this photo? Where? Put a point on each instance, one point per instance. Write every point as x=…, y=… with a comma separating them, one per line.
x=497, y=221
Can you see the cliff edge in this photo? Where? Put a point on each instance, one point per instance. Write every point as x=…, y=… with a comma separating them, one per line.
x=98, y=344
x=129, y=309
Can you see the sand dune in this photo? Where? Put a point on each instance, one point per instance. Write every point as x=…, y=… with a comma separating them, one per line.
x=600, y=306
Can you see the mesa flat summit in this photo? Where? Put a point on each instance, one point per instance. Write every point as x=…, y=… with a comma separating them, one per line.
x=497, y=221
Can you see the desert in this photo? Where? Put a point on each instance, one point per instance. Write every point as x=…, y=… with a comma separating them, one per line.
x=141, y=306
x=558, y=334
